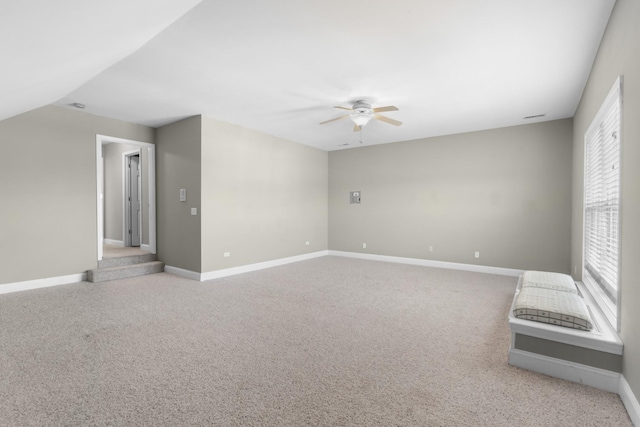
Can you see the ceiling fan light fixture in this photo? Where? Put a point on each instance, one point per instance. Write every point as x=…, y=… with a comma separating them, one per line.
x=361, y=119
x=362, y=113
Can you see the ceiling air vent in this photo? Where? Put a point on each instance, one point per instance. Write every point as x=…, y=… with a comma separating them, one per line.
x=537, y=116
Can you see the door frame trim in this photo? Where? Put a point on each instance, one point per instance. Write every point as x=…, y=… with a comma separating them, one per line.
x=151, y=152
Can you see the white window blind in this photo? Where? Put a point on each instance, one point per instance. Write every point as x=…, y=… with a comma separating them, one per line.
x=602, y=195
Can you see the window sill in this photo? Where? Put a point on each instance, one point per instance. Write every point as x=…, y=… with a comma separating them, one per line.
x=608, y=308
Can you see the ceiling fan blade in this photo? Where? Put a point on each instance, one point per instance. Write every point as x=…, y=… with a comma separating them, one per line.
x=333, y=120
x=357, y=128
x=381, y=109
x=343, y=108
x=387, y=119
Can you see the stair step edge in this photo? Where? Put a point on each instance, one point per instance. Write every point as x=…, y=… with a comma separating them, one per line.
x=130, y=266
x=125, y=271
x=128, y=260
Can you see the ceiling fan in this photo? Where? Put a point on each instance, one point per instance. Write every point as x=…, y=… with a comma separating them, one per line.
x=362, y=112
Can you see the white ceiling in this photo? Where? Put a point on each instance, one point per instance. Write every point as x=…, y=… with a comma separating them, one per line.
x=50, y=48
x=278, y=66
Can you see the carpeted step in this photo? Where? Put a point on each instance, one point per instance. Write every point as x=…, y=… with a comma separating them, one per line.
x=124, y=271
x=126, y=260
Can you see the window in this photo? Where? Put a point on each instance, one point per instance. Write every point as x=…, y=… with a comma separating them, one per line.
x=602, y=203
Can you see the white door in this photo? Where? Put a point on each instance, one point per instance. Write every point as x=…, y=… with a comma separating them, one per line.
x=135, y=203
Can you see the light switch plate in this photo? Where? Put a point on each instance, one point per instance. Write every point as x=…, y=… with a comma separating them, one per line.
x=194, y=211
x=183, y=194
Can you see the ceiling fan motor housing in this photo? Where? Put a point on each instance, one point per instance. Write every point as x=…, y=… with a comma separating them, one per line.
x=362, y=107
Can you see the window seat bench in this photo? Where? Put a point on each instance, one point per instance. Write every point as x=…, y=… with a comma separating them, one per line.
x=590, y=357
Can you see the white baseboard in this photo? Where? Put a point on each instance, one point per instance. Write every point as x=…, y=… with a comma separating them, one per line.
x=570, y=371
x=217, y=274
x=630, y=401
x=145, y=247
x=260, y=266
x=431, y=263
x=42, y=283
x=113, y=242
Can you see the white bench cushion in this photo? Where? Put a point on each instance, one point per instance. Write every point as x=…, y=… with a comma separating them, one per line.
x=553, y=307
x=548, y=280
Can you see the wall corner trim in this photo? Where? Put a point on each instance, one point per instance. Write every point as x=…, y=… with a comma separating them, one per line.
x=42, y=283
x=431, y=263
x=630, y=401
x=187, y=274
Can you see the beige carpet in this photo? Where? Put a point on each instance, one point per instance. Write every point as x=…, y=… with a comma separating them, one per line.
x=112, y=251
x=326, y=342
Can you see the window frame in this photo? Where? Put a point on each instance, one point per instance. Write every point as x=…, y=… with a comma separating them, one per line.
x=611, y=309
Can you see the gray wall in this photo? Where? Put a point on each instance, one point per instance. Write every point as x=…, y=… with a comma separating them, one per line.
x=48, y=218
x=178, y=160
x=263, y=197
x=504, y=192
x=619, y=54
x=113, y=190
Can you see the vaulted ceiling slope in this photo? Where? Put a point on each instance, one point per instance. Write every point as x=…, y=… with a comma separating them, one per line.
x=279, y=66
x=50, y=48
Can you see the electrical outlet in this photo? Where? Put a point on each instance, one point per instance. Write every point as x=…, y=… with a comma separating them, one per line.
x=430, y=248
x=364, y=246
x=307, y=243
x=227, y=254
x=477, y=254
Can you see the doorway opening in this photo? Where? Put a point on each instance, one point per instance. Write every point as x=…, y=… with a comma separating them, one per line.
x=126, y=191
